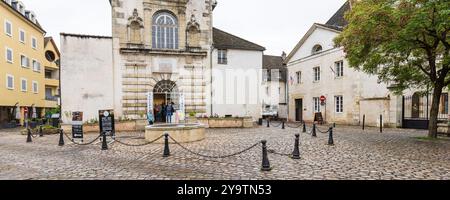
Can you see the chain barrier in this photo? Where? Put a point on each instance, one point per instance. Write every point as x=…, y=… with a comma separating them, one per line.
x=137, y=145
x=293, y=126
x=81, y=144
x=276, y=126
x=323, y=132
x=31, y=133
x=280, y=154
x=215, y=157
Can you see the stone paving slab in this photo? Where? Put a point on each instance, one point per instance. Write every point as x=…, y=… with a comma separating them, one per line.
x=395, y=154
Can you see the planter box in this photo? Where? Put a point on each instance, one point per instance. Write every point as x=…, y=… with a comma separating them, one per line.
x=232, y=122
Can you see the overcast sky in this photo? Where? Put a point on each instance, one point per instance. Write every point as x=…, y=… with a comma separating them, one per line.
x=277, y=25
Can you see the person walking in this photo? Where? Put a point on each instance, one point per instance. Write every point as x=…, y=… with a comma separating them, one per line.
x=169, y=111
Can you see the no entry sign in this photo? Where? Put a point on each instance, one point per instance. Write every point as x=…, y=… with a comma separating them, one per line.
x=323, y=98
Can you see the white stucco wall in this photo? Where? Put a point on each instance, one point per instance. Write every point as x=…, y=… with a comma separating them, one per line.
x=86, y=76
x=321, y=36
x=362, y=93
x=237, y=85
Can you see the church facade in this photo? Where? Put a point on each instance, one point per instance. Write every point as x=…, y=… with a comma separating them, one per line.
x=166, y=51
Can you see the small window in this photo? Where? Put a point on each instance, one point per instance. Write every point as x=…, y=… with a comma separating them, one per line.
x=222, y=57
x=316, y=104
x=22, y=36
x=10, y=82
x=34, y=43
x=8, y=28
x=24, y=61
x=299, y=77
x=316, y=74
x=35, y=87
x=317, y=49
x=265, y=75
x=23, y=84
x=339, y=67
x=339, y=104
x=36, y=66
x=50, y=56
x=9, y=55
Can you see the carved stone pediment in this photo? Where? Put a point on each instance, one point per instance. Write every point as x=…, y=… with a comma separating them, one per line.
x=193, y=25
x=135, y=18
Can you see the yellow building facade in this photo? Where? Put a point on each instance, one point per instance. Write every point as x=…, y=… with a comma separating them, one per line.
x=23, y=64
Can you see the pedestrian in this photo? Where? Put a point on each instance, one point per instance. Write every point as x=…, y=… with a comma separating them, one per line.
x=169, y=112
x=150, y=118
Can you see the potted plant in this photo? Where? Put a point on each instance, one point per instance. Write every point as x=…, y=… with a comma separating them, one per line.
x=192, y=117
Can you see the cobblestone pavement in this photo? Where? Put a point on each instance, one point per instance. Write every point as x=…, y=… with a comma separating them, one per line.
x=357, y=155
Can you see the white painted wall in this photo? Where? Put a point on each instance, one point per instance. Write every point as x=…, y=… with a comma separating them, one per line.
x=86, y=76
x=237, y=85
x=321, y=36
x=363, y=94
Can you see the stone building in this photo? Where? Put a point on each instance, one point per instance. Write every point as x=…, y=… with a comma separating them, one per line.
x=168, y=50
x=320, y=70
x=274, y=86
x=324, y=83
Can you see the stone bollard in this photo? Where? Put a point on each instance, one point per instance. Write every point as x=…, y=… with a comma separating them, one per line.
x=330, y=139
x=29, y=140
x=314, y=131
x=104, y=143
x=304, y=127
x=265, y=158
x=166, y=146
x=283, y=125
x=41, y=133
x=296, y=153
x=61, y=138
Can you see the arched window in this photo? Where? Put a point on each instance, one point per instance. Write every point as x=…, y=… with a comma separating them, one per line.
x=317, y=49
x=165, y=31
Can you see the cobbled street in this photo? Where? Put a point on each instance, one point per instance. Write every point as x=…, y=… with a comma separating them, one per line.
x=356, y=155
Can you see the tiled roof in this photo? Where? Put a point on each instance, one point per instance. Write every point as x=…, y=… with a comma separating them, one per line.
x=337, y=21
x=224, y=40
x=275, y=62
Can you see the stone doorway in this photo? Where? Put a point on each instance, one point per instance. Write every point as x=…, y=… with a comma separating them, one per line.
x=164, y=93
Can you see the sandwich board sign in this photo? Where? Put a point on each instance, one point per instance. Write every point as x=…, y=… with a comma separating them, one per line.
x=77, y=125
x=106, y=122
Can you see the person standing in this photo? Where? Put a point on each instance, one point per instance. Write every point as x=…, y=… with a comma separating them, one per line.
x=150, y=118
x=169, y=111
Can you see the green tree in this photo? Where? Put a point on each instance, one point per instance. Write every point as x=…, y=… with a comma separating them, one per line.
x=404, y=42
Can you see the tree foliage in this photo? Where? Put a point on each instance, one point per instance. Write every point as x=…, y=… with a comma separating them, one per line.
x=404, y=42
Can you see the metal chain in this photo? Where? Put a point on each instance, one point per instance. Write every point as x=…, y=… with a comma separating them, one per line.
x=276, y=126
x=217, y=157
x=276, y=153
x=82, y=144
x=287, y=124
x=138, y=145
x=31, y=133
x=324, y=132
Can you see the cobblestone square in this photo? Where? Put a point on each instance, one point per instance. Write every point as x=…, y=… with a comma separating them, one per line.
x=395, y=154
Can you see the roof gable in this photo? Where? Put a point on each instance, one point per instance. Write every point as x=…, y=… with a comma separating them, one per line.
x=313, y=28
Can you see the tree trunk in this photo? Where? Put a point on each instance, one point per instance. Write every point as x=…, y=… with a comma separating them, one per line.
x=433, y=126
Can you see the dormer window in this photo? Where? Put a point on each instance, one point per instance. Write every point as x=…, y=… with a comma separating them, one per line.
x=317, y=49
